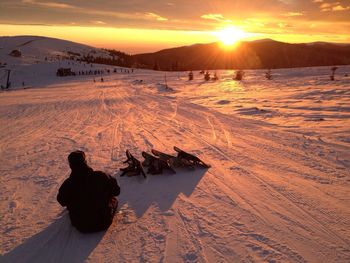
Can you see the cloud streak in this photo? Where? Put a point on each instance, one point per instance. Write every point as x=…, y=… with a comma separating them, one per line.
x=336, y=6
x=289, y=14
x=155, y=16
x=91, y=11
x=216, y=17
x=49, y=4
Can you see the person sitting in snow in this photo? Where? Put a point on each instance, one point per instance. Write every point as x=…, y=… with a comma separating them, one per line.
x=90, y=196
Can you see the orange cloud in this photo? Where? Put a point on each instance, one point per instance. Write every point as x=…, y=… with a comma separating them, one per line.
x=340, y=8
x=48, y=4
x=156, y=17
x=216, y=17
x=98, y=22
x=333, y=7
x=293, y=14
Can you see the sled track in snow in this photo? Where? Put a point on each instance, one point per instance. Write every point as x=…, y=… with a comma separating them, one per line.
x=189, y=134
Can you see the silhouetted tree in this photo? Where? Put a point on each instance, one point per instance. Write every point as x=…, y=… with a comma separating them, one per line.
x=156, y=65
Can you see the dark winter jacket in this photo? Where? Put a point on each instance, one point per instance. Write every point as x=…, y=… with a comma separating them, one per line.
x=90, y=197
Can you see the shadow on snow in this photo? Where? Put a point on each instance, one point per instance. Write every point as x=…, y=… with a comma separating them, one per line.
x=59, y=242
x=159, y=190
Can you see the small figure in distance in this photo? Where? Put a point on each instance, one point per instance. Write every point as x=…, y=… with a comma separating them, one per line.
x=268, y=74
x=215, y=77
x=101, y=79
x=190, y=75
x=333, y=69
x=239, y=75
x=207, y=76
x=90, y=196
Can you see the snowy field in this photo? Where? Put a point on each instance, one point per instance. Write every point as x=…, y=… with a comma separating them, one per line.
x=278, y=189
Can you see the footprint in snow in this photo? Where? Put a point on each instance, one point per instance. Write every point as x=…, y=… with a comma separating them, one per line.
x=168, y=213
x=13, y=205
x=127, y=215
x=191, y=257
x=159, y=238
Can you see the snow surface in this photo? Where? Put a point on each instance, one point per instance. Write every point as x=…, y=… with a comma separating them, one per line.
x=278, y=189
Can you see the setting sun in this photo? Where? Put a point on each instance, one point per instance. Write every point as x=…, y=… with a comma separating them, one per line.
x=229, y=36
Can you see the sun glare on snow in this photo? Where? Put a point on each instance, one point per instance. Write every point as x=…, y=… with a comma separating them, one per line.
x=230, y=36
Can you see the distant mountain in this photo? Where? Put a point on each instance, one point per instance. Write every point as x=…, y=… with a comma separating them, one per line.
x=264, y=53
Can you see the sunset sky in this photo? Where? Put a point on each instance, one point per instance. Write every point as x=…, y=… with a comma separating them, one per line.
x=140, y=26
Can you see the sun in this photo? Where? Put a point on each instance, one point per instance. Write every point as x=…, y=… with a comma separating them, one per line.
x=229, y=36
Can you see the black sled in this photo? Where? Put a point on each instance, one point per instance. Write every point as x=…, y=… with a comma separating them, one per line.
x=134, y=166
x=194, y=160
x=155, y=164
x=173, y=161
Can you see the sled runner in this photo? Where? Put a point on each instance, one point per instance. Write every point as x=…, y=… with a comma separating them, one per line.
x=194, y=160
x=134, y=166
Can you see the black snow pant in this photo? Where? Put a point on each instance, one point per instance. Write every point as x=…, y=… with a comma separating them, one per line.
x=101, y=222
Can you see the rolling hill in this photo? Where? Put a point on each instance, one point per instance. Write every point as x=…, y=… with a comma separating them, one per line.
x=34, y=49
x=247, y=55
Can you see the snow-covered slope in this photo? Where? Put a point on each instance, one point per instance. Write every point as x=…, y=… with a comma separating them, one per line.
x=278, y=189
x=36, y=49
x=41, y=57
